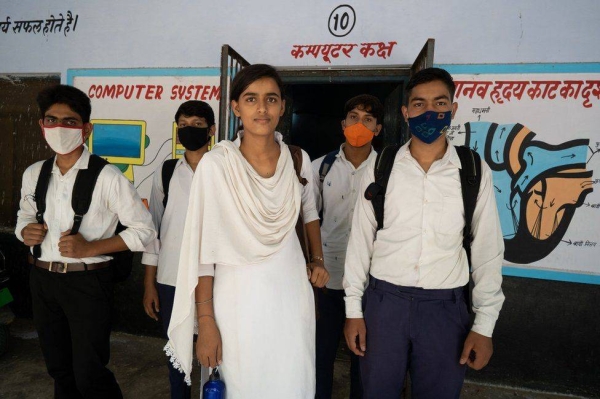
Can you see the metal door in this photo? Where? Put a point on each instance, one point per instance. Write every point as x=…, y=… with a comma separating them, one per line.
x=231, y=63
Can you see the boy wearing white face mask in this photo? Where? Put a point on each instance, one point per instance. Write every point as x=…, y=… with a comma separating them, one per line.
x=71, y=282
x=338, y=175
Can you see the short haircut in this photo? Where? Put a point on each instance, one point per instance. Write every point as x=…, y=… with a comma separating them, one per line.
x=196, y=108
x=251, y=74
x=71, y=96
x=367, y=103
x=430, y=75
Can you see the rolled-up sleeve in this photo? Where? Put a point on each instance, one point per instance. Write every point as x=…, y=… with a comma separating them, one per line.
x=157, y=210
x=127, y=204
x=27, y=205
x=309, y=208
x=360, y=250
x=206, y=270
x=487, y=253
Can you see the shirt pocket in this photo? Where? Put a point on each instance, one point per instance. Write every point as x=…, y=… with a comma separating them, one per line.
x=452, y=219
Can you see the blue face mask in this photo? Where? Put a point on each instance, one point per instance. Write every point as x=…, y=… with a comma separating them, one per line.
x=429, y=126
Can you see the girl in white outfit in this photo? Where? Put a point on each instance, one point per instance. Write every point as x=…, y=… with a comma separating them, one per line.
x=242, y=274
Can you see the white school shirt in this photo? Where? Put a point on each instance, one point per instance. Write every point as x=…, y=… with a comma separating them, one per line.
x=163, y=252
x=309, y=210
x=336, y=196
x=114, y=199
x=421, y=242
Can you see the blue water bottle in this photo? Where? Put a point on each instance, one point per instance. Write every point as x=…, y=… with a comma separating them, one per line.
x=214, y=388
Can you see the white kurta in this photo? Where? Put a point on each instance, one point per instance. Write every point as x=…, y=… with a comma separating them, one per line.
x=240, y=227
x=266, y=316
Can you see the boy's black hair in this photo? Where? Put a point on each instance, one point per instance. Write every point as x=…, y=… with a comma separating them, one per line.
x=367, y=103
x=196, y=108
x=430, y=75
x=71, y=96
x=251, y=74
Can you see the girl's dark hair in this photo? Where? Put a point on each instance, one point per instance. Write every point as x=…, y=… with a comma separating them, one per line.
x=196, y=108
x=251, y=74
x=68, y=95
x=430, y=75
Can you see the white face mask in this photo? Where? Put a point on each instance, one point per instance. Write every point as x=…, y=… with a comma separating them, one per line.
x=63, y=139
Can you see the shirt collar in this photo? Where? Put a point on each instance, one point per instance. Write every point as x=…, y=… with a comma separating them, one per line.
x=342, y=155
x=182, y=162
x=449, y=156
x=82, y=162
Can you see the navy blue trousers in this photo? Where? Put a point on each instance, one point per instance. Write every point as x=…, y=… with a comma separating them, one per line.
x=330, y=325
x=166, y=295
x=422, y=331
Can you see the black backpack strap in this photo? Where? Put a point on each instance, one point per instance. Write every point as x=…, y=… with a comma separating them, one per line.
x=327, y=163
x=376, y=190
x=41, y=188
x=167, y=173
x=470, y=179
x=83, y=189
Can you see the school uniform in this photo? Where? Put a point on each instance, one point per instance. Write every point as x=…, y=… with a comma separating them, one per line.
x=407, y=279
x=336, y=199
x=72, y=310
x=163, y=252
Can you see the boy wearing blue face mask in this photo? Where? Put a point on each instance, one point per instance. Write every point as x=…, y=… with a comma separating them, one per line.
x=405, y=306
x=168, y=205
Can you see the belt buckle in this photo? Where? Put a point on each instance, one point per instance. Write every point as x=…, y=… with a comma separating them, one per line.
x=60, y=268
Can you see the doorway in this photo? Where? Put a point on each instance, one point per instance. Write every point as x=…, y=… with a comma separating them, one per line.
x=315, y=99
x=315, y=109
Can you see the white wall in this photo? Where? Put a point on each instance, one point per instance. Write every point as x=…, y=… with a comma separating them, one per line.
x=180, y=33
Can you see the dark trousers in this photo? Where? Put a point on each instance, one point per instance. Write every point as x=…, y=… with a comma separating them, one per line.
x=415, y=329
x=179, y=388
x=72, y=315
x=330, y=326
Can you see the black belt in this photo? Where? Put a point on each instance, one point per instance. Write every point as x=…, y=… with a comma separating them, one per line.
x=63, y=267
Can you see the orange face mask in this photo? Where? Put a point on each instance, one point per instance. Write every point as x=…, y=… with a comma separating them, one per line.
x=358, y=135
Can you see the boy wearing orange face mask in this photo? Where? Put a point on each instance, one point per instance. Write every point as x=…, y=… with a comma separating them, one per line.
x=338, y=175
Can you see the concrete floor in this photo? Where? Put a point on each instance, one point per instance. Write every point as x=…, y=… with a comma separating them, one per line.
x=140, y=366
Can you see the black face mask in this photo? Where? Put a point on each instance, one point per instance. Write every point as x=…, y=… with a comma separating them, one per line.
x=193, y=138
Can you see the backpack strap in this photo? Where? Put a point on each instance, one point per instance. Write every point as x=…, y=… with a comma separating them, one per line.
x=83, y=189
x=327, y=163
x=300, y=226
x=167, y=173
x=470, y=179
x=376, y=190
x=41, y=188
x=297, y=158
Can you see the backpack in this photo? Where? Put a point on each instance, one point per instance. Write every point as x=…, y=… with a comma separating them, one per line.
x=167, y=173
x=296, y=153
x=327, y=163
x=469, y=178
x=83, y=189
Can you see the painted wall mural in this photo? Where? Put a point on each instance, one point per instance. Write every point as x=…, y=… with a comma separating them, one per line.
x=536, y=126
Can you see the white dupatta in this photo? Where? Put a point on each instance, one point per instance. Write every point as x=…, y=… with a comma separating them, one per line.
x=234, y=217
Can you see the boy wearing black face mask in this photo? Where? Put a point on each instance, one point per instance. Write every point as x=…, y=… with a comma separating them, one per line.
x=404, y=283
x=195, y=126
